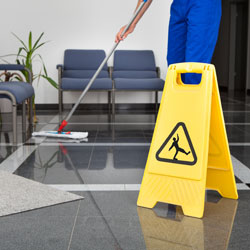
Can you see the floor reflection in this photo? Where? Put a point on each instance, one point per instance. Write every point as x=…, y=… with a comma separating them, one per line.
x=168, y=228
x=97, y=164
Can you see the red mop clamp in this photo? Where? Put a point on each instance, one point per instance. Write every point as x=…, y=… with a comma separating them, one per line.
x=63, y=124
x=64, y=150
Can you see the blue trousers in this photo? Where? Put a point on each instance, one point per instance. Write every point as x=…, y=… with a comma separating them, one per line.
x=193, y=32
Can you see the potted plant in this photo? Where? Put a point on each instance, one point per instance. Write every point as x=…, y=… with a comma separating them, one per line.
x=26, y=55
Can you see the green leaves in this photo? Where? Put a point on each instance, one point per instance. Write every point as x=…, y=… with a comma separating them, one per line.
x=26, y=54
x=51, y=81
x=30, y=40
x=24, y=46
x=37, y=41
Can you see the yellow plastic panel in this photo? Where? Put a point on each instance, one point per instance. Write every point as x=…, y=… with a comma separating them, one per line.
x=183, y=150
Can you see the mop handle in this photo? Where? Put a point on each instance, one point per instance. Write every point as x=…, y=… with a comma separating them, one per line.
x=65, y=121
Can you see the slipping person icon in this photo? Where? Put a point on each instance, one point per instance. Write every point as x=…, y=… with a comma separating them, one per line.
x=178, y=149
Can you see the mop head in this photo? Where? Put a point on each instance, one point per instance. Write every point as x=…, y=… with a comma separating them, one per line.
x=63, y=135
x=61, y=140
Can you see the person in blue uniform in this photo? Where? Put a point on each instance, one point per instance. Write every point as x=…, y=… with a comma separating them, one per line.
x=193, y=32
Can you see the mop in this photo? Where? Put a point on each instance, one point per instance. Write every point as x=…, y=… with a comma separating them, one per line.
x=82, y=135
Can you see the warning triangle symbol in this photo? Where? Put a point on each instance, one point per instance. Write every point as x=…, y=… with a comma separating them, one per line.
x=178, y=147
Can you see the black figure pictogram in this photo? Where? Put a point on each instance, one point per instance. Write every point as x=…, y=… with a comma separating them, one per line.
x=191, y=161
x=178, y=149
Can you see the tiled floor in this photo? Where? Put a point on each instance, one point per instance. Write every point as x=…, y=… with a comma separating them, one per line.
x=107, y=170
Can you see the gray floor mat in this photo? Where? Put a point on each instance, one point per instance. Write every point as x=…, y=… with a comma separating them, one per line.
x=18, y=194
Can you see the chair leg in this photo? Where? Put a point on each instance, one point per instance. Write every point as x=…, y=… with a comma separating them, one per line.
x=24, y=116
x=31, y=111
x=14, y=121
x=113, y=103
x=60, y=101
x=156, y=101
x=113, y=115
x=24, y=120
x=109, y=102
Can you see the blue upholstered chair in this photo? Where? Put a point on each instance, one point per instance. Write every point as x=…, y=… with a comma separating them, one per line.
x=78, y=68
x=17, y=92
x=135, y=70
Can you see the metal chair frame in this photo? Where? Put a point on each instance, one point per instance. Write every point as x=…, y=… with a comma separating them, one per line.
x=14, y=109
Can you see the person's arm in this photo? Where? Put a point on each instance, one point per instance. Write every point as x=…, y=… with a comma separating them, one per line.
x=119, y=36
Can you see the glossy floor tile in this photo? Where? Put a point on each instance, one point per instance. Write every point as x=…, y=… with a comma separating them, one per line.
x=88, y=164
x=111, y=220
x=113, y=159
x=47, y=228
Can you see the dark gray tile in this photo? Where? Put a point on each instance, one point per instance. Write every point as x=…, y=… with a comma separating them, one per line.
x=235, y=107
x=108, y=204
x=101, y=158
x=237, y=117
x=102, y=224
x=118, y=133
x=112, y=217
x=35, y=233
x=107, y=233
x=48, y=164
x=148, y=139
x=48, y=228
x=235, y=134
x=238, y=180
x=126, y=117
x=135, y=118
x=112, y=220
x=242, y=215
x=117, y=165
x=68, y=209
x=244, y=128
x=242, y=153
x=100, y=164
x=121, y=140
x=130, y=157
x=240, y=245
x=89, y=118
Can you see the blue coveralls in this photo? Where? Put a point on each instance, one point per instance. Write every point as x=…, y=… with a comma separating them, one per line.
x=193, y=32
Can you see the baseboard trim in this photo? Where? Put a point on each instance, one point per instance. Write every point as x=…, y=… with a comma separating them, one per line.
x=98, y=107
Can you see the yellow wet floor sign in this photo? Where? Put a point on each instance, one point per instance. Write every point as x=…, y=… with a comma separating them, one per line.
x=189, y=150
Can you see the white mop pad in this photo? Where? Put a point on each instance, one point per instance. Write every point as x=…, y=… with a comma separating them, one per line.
x=62, y=140
x=67, y=135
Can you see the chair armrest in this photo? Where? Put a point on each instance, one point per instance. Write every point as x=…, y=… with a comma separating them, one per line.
x=17, y=67
x=11, y=67
x=158, y=71
x=59, y=66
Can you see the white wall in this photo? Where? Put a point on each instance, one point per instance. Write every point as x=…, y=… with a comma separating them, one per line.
x=83, y=24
